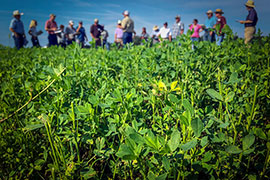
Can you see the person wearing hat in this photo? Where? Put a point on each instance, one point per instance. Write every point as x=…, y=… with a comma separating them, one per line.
x=165, y=32
x=51, y=27
x=70, y=33
x=155, y=34
x=17, y=29
x=118, y=35
x=95, y=32
x=221, y=22
x=81, y=35
x=178, y=27
x=127, y=25
x=250, y=22
x=209, y=33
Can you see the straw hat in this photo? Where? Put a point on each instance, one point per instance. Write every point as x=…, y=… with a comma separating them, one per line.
x=17, y=13
x=209, y=12
x=155, y=28
x=250, y=3
x=219, y=11
x=52, y=15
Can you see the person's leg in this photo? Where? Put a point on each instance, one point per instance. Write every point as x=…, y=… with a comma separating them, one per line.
x=218, y=40
x=16, y=42
x=130, y=37
x=50, y=40
x=21, y=41
x=212, y=37
x=206, y=35
x=249, y=33
x=125, y=38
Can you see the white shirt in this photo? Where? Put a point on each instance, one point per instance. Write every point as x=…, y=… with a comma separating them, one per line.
x=165, y=32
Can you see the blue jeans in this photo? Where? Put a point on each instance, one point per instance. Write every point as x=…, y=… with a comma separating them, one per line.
x=207, y=36
x=35, y=41
x=127, y=37
x=219, y=39
x=106, y=44
x=18, y=41
x=193, y=39
x=52, y=39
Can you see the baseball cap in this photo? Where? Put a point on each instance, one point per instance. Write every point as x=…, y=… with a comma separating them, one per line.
x=119, y=22
x=96, y=20
x=71, y=22
x=126, y=12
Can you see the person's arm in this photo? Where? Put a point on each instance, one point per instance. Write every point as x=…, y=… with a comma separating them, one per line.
x=115, y=37
x=15, y=34
x=182, y=29
x=30, y=32
x=246, y=22
x=170, y=38
x=78, y=29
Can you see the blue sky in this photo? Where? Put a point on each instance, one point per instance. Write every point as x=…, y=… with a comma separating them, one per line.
x=145, y=13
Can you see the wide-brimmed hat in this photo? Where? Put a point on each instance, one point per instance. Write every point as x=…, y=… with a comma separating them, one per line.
x=52, y=15
x=219, y=11
x=177, y=17
x=250, y=3
x=17, y=13
x=155, y=28
x=209, y=12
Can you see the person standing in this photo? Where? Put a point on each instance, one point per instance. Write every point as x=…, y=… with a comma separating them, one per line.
x=81, y=37
x=95, y=32
x=118, y=35
x=70, y=33
x=104, y=35
x=144, y=34
x=178, y=27
x=17, y=29
x=61, y=36
x=209, y=34
x=165, y=32
x=196, y=28
x=34, y=33
x=221, y=23
x=250, y=22
x=51, y=27
x=155, y=34
x=127, y=25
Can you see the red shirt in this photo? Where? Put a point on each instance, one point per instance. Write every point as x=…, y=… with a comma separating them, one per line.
x=50, y=24
x=222, y=22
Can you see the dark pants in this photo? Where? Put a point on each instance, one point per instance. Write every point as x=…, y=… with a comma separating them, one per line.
x=52, y=40
x=18, y=41
x=70, y=41
x=35, y=41
x=127, y=37
x=98, y=42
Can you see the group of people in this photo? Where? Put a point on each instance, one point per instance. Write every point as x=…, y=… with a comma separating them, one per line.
x=213, y=30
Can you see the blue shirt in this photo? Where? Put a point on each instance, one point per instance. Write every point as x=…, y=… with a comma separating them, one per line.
x=209, y=23
x=82, y=35
x=252, y=16
x=17, y=26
